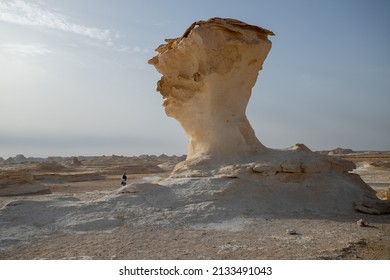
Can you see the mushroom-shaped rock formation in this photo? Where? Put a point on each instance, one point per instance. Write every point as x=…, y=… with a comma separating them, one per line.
x=208, y=75
x=207, y=79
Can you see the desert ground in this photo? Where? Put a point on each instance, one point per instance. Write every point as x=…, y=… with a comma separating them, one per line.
x=75, y=208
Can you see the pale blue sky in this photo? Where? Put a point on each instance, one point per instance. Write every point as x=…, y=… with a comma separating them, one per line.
x=74, y=78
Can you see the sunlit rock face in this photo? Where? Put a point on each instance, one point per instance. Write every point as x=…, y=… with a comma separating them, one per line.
x=208, y=75
x=207, y=79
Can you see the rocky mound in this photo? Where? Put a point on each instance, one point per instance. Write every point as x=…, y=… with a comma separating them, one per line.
x=20, y=183
x=50, y=166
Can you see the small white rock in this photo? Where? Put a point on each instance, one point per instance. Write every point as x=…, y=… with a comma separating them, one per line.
x=291, y=232
x=361, y=223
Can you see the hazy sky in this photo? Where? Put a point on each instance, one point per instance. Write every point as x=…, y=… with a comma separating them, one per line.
x=74, y=78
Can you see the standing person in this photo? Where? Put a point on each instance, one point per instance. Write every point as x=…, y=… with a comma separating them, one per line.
x=124, y=179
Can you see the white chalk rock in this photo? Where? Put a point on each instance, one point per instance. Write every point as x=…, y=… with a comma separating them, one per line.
x=207, y=80
x=208, y=75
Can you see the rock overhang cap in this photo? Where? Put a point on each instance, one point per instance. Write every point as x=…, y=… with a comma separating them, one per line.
x=223, y=23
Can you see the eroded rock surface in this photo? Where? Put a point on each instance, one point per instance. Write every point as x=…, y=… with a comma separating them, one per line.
x=208, y=75
x=207, y=80
x=20, y=182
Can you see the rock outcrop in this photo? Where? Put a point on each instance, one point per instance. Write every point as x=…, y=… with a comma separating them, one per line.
x=208, y=75
x=20, y=183
x=207, y=79
x=76, y=161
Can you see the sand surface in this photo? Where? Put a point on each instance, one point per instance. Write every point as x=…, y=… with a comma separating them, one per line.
x=315, y=239
x=86, y=228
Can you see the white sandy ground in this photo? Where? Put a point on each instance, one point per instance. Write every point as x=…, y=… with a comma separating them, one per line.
x=144, y=223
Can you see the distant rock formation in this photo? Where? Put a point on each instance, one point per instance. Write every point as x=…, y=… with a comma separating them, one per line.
x=20, y=183
x=22, y=159
x=207, y=79
x=337, y=151
x=17, y=159
x=76, y=161
x=49, y=166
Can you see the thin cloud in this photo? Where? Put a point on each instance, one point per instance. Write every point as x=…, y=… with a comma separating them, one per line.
x=136, y=49
x=24, y=49
x=29, y=14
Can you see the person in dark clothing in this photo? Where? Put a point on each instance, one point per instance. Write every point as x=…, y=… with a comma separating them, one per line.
x=124, y=179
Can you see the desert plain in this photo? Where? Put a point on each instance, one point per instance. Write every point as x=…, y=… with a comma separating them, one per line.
x=75, y=208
